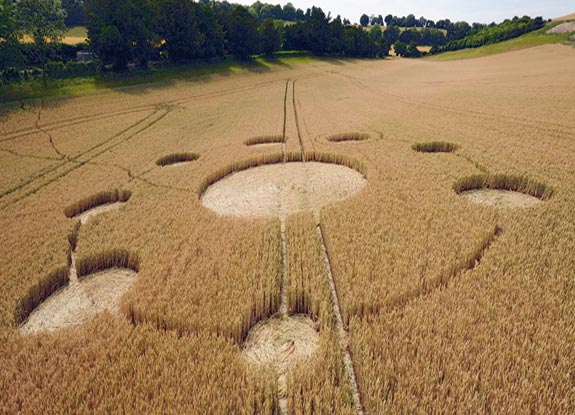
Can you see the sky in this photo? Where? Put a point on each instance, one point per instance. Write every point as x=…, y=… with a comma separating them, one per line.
x=484, y=11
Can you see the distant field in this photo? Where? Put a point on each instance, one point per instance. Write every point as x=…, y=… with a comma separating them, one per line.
x=420, y=48
x=403, y=29
x=537, y=38
x=74, y=35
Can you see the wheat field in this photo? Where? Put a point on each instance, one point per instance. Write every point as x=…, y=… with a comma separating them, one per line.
x=423, y=301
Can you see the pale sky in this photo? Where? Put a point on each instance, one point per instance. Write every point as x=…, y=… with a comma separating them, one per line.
x=484, y=11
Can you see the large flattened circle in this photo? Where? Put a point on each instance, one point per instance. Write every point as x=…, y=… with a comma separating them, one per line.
x=279, y=189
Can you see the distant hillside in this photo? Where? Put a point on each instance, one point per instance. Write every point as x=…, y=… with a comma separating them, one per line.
x=568, y=17
x=529, y=40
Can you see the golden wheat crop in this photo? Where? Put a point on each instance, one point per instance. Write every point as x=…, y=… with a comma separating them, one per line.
x=435, y=147
x=447, y=306
x=264, y=139
x=176, y=158
x=337, y=138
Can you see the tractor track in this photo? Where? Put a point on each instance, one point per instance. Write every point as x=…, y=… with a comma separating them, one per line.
x=141, y=108
x=78, y=162
x=42, y=174
x=284, y=138
x=297, y=121
x=341, y=332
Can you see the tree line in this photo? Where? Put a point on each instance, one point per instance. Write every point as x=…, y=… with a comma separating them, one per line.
x=262, y=11
x=506, y=30
x=134, y=32
x=445, y=36
x=451, y=31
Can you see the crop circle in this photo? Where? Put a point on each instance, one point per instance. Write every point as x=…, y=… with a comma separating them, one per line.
x=503, y=190
x=279, y=189
x=281, y=342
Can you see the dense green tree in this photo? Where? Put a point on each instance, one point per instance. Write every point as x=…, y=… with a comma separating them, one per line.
x=388, y=20
x=242, y=34
x=485, y=35
x=382, y=47
x=270, y=36
x=212, y=33
x=412, y=51
x=300, y=16
x=112, y=47
x=357, y=42
x=178, y=27
x=74, y=12
x=319, y=32
x=277, y=12
x=189, y=30
x=43, y=20
x=336, y=30
x=375, y=32
x=297, y=37
x=134, y=20
x=364, y=20
x=289, y=13
x=142, y=30
x=377, y=20
x=266, y=12
x=321, y=36
x=391, y=34
x=10, y=54
x=400, y=48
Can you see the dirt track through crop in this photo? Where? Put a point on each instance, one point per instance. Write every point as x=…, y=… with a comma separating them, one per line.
x=297, y=121
x=285, y=121
x=342, y=334
x=283, y=287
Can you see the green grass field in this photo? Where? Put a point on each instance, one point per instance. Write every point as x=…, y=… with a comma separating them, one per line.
x=82, y=85
x=529, y=40
x=77, y=31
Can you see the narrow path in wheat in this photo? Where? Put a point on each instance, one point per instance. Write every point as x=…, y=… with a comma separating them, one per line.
x=297, y=121
x=283, y=287
x=342, y=334
x=284, y=138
